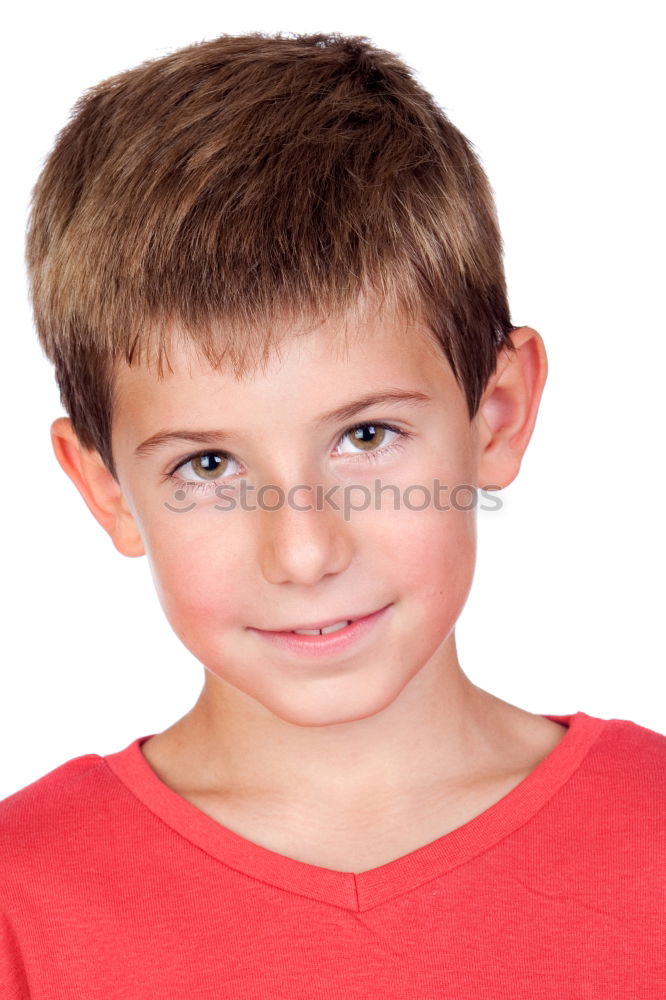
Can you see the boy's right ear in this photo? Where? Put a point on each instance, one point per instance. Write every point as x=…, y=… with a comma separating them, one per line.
x=97, y=486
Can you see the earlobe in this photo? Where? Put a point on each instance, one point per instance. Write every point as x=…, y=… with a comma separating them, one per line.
x=100, y=491
x=509, y=407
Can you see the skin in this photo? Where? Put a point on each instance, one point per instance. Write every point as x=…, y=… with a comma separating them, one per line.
x=353, y=761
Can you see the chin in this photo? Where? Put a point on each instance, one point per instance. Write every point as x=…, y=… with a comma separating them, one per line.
x=332, y=707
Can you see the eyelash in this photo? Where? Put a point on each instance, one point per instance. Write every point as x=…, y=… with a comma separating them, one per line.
x=373, y=456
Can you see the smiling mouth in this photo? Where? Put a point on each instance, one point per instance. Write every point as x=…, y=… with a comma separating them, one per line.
x=334, y=638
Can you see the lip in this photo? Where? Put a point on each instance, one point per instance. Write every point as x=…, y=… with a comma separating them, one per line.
x=323, y=645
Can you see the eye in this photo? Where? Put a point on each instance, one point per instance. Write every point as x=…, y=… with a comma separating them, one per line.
x=205, y=466
x=370, y=437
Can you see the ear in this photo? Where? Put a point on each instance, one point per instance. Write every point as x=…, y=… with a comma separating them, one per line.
x=97, y=486
x=508, y=409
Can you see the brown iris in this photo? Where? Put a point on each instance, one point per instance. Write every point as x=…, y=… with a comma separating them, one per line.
x=358, y=436
x=209, y=464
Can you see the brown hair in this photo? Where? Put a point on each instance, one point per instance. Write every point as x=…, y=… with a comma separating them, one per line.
x=248, y=178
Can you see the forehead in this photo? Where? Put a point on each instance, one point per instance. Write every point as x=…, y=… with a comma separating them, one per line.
x=358, y=351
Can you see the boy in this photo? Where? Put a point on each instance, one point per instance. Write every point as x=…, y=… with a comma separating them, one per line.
x=268, y=272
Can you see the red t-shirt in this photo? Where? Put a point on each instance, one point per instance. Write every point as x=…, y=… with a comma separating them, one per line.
x=113, y=887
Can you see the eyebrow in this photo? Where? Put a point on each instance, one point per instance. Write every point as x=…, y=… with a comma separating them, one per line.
x=344, y=412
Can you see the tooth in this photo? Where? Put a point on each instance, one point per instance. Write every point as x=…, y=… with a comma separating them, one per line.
x=334, y=628
x=320, y=631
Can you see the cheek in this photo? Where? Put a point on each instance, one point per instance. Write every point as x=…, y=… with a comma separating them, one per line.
x=440, y=553
x=197, y=564
x=439, y=532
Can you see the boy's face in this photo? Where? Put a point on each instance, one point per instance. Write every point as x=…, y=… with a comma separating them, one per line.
x=224, y=571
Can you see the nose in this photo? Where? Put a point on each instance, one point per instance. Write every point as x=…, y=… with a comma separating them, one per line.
x=302, y=545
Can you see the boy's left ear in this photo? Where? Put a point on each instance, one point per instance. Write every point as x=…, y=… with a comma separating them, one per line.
x=508, y=409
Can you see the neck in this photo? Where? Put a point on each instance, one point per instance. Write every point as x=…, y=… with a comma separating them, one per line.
x=441, y=731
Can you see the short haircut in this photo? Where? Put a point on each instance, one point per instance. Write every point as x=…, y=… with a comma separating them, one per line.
x=242, y=180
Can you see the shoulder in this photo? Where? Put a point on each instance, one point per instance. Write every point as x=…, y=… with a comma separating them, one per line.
x=623, y=779
x=43, y=821
x=626, y=750
x=62, y=785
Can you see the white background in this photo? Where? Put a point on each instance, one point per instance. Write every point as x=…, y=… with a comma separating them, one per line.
x=564, y=103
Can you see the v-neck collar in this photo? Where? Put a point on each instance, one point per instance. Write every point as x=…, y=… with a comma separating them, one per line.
x=361, y=891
